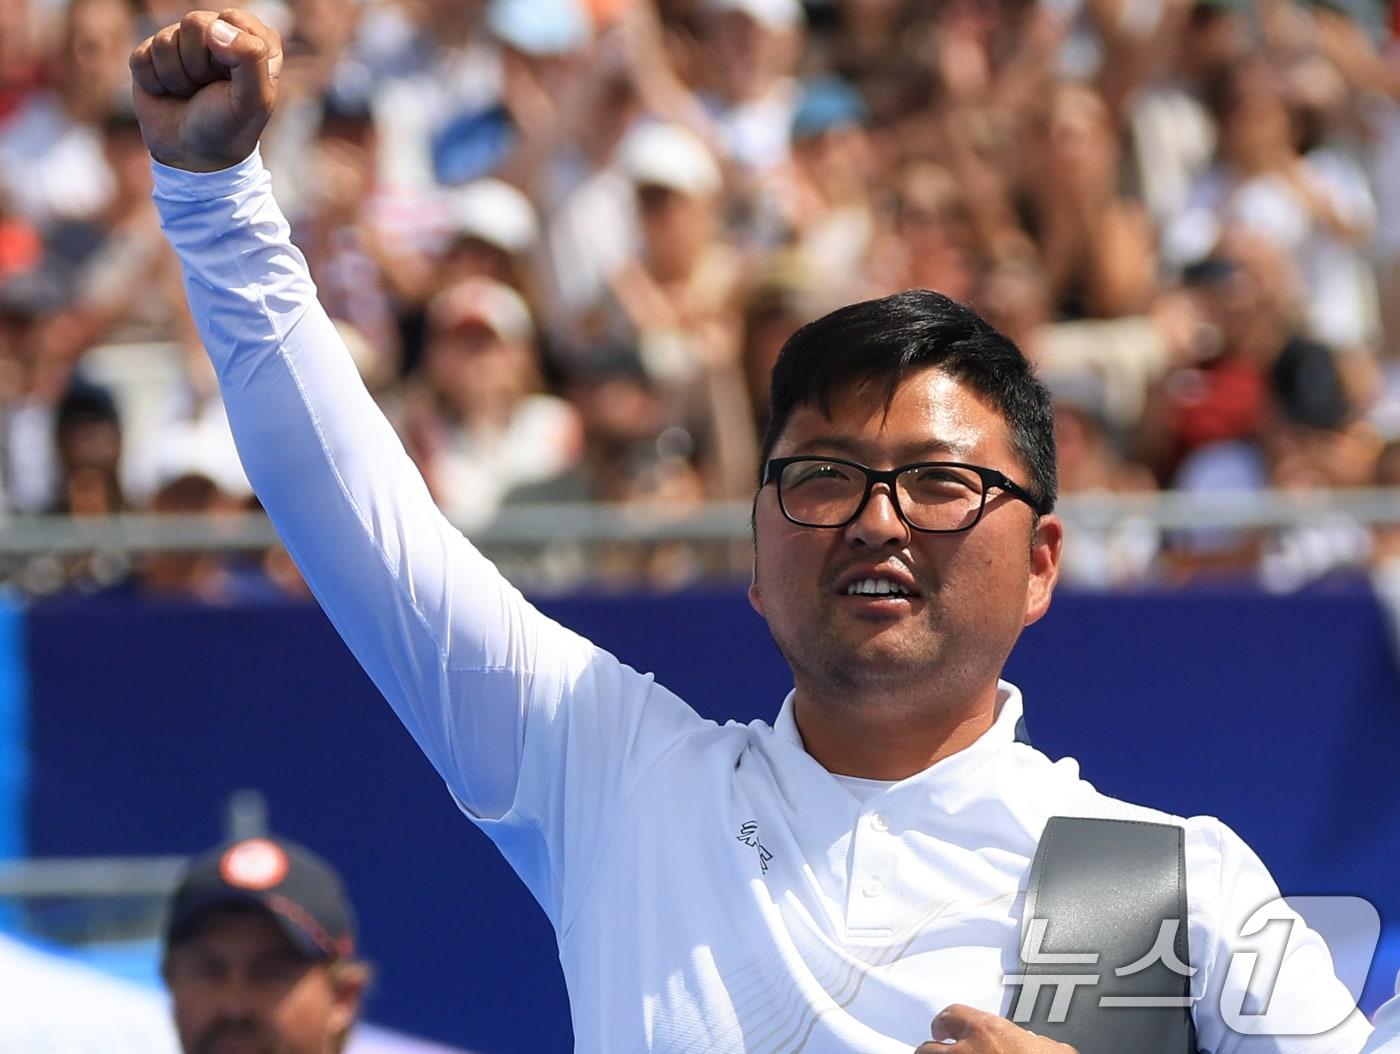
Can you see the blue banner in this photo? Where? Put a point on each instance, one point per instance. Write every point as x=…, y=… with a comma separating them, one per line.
x=1280, y=715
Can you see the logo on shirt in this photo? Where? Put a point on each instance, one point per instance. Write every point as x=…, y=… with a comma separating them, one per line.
x=748, y=834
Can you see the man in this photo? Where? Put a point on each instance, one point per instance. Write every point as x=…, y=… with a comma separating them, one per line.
x=829, y=884
x=259, y=952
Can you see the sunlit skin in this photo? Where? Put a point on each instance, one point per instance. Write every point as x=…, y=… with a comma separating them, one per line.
x=886, y=686
x=238, y=986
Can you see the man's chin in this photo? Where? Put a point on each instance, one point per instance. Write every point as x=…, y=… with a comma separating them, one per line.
x=229, y=1042
x=885, y=658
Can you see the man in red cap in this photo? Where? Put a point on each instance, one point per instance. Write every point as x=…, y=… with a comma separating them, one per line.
x=259, y=952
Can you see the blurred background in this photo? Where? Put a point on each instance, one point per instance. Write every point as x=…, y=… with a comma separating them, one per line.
x=564, y=240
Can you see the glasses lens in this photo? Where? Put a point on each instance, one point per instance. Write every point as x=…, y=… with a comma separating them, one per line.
x=820, y=493
x=940, y=497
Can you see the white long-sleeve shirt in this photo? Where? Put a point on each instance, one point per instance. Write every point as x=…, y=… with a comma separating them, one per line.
x=711, y=887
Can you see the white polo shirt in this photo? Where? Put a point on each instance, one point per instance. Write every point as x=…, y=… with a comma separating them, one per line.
x=713, y=888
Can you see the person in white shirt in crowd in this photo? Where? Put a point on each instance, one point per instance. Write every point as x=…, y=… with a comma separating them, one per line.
x=678, y=298
x=476, y=422
x=51, y=163
x=1317, y=207
x=753, y=47
x=845, y=879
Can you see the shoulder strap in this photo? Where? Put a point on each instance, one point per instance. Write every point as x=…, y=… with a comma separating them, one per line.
x=1104, y=896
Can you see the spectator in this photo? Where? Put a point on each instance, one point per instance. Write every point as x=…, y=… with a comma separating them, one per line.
x=1182, y=208
x=829, y=199
x=492, y=233
x=260, y=952
x=366, y=264
x=1096, y=243
x=752, y=49
x=477, y=423
x=440, y=71
x=185, y=575
x=88, y=443
x=679, y=298
x=51, y=163
x=1317, y=208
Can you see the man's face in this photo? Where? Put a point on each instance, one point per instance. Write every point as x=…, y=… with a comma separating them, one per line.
x=239, y=987
x=973, y=591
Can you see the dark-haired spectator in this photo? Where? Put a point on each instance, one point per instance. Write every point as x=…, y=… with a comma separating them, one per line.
x=185, y=575
x=88, y=446
x=259, y=951
x=112, y=269
x=87, y=441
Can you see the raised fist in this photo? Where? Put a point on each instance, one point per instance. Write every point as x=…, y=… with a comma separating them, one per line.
x=204, y=88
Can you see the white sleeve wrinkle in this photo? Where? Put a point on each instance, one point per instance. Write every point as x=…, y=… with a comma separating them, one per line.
x=538, y=734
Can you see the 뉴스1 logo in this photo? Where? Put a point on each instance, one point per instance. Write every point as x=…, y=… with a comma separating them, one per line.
x=748, y=834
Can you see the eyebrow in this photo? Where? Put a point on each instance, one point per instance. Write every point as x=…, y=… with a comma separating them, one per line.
x=929, y=449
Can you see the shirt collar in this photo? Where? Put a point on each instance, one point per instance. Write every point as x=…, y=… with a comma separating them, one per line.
x=1008, y=727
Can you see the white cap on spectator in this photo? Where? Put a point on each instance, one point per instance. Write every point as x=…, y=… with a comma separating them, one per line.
x=667, y=155
x=540, y=27
x=495, y=212
x=771, y=14
x=483, y=301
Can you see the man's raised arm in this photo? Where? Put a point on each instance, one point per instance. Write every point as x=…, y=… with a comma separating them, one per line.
x=460, y=655
x=351, y=507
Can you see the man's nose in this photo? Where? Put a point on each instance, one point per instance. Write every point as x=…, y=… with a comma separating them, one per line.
x=879, y=523
x=236, y=1001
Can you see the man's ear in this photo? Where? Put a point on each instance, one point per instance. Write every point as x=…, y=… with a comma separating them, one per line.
x=348, y=983
x=755, y=597
x=1046, y=543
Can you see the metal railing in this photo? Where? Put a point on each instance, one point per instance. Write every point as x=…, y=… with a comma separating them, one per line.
x=528, y=526
x=76, y=900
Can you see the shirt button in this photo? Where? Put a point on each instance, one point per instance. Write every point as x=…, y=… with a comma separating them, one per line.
x=879, y=822
x=873, y=888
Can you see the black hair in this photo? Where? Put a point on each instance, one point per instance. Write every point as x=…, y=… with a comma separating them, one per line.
x=85, y=404
x=882, y=341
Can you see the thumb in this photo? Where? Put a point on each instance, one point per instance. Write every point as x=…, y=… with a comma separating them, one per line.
x=252, y=62
x=955, y=1021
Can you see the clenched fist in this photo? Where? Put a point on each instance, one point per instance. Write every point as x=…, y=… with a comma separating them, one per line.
x=962, y=1030
x=204, y=88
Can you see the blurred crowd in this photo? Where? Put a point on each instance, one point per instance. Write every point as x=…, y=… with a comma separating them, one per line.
x=565, y=239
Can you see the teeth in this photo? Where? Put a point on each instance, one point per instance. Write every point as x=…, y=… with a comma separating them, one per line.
x=876, y=587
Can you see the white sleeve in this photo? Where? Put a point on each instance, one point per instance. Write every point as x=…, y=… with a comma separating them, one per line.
x=1266, y=983
x=536, y=732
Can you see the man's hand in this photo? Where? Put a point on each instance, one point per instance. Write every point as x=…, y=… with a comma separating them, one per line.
x=204, y=88
x=978, y=1032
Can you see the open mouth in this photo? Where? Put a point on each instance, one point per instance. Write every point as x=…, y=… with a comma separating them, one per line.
x=875, y=587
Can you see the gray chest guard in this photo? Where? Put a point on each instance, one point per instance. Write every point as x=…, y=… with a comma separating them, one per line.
x=1116, y=888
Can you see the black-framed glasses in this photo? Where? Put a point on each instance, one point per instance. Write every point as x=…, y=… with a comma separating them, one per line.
x=936, y=497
